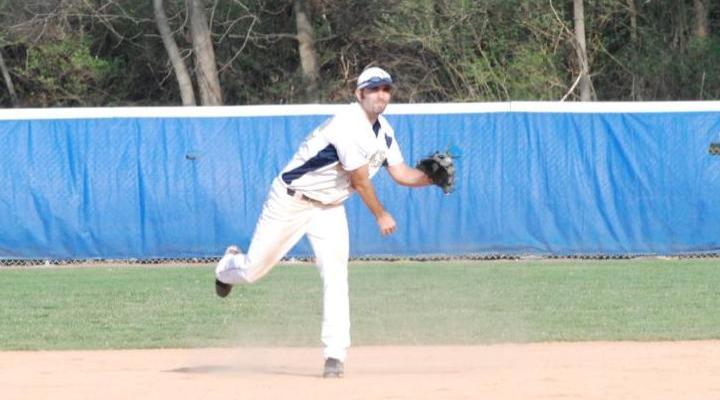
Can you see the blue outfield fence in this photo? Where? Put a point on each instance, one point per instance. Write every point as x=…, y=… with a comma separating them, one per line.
x=534, y=178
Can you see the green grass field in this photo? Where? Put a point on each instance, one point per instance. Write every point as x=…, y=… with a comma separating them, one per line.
x=392, y=303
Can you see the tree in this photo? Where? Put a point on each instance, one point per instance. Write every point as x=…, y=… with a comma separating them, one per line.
x=8, y=80
x=701, y=19
x=119, y=52
x=206, y=73
x=181, y=73
x=205, y=67
x=306, y=49
x=581, y=51
x=633, y=14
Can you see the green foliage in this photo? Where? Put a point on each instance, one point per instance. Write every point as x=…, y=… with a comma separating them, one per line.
x=533, y=74
x=65, y=73
x=659, y=59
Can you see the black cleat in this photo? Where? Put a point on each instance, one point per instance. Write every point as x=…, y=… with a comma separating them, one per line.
x=334, y=368
x=222, y=289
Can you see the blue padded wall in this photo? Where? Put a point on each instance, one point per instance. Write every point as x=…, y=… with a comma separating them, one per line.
x=529, y=183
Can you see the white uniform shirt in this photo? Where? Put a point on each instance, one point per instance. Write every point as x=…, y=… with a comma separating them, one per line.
x=343, y=143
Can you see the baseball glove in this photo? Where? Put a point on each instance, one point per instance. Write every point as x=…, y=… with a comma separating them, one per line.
x=440, y=168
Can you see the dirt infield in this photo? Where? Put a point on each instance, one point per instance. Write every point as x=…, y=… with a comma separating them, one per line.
x=665, y=370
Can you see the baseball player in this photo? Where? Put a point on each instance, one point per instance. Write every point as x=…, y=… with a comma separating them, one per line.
x=338, y=158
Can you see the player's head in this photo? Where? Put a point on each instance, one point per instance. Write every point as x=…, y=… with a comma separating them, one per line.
x=374, y=90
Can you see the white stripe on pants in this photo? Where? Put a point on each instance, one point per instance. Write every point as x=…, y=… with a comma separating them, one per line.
x=283, y=221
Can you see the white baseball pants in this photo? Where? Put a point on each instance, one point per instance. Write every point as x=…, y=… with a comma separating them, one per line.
x=283, y=221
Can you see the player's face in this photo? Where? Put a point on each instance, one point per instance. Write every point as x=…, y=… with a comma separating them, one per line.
x=374, y=100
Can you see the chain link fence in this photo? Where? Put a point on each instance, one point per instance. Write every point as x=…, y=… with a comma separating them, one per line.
x=385, y=258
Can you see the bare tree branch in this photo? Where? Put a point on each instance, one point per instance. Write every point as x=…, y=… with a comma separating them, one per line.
x=572, y=88
x=242, y=47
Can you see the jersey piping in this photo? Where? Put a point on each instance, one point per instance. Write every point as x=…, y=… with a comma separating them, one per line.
x=323, y=158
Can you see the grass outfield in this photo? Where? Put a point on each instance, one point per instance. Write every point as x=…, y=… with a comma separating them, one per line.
x=393, y=303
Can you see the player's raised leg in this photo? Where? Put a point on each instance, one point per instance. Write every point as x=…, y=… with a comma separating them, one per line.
x=281, y=225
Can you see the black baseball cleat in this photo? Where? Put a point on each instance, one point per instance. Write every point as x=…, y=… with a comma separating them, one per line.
x=222, y=289
x=334, y=368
